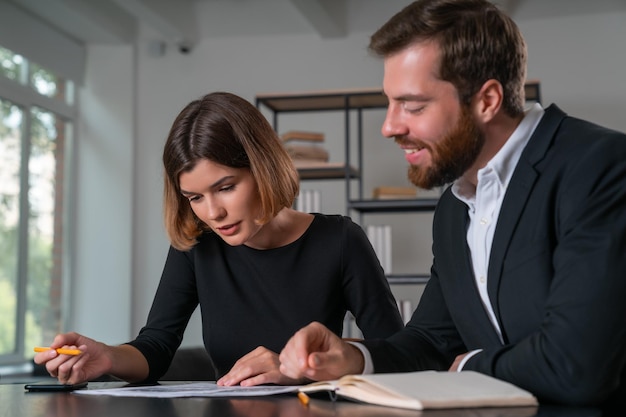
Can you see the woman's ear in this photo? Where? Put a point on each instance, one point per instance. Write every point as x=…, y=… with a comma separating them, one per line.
x=488, y=101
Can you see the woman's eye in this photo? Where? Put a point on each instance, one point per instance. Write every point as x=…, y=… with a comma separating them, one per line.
x=227, y=188
x=193, y=198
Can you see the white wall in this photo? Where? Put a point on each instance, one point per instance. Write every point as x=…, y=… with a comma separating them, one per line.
x=579, y=60
x=103, y=249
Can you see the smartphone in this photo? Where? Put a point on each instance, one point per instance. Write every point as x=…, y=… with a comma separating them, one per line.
x=53, y=386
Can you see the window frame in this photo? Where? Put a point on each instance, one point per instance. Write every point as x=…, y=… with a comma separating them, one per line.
x=21, y=93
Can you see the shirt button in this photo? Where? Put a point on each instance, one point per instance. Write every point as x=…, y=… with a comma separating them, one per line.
x=482, y=279
x=483, y=221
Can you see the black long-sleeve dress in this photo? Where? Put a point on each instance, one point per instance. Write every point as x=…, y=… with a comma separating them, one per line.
x=250, y=297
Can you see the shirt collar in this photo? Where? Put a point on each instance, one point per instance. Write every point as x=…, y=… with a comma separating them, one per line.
x=505, y=160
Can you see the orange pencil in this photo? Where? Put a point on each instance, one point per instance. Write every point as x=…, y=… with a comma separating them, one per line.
x=304, y=399
x=60, y=351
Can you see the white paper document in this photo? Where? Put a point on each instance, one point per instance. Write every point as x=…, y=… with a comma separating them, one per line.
x=196, y=389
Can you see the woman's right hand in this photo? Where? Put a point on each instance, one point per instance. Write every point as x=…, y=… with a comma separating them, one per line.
x=94, y=361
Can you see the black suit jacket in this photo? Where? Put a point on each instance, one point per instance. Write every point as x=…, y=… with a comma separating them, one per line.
x=556, y=278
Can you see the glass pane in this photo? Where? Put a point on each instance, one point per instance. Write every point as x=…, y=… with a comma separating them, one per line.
x=11, y=65
x=44, y=82
x=51, y=85
x=10, y=156
x=44, y=229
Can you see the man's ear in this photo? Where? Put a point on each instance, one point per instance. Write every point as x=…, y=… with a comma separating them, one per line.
x=488, y=101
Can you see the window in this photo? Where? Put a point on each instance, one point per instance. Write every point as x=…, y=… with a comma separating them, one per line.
x=36, y=121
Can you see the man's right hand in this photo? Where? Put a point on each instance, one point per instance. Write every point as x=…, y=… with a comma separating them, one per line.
x=316, y=353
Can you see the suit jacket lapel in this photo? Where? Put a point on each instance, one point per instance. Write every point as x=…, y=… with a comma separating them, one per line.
x=517, y=193
x=462, y=279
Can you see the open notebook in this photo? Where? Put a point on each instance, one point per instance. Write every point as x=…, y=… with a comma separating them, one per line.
x=426, y=389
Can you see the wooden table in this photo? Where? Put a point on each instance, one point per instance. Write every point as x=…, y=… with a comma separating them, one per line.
x=17, y=402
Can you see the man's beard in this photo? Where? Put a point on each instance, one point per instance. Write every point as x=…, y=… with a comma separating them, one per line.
x=452, y=155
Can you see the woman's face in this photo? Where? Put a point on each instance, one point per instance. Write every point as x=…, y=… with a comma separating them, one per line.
x=224, y=198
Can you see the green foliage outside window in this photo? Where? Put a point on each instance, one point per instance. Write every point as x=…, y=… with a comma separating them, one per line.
x=11, y=65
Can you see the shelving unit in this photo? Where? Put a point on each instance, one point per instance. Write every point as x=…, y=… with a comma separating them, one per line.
x=352, y=102
x=349, y=102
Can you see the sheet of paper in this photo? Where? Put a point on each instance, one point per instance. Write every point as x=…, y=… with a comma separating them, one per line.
x=195, y=389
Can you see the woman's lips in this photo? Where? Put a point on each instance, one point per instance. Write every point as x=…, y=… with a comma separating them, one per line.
x=229, y=230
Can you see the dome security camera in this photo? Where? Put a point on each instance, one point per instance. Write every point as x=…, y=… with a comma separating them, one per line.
x=185, y=48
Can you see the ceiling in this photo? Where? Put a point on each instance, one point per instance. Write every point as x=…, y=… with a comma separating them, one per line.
x=187, y=21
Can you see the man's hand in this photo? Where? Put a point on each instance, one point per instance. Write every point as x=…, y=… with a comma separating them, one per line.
x=316, y=353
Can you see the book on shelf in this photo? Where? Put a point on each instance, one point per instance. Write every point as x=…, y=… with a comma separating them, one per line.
x=307, y=152
x=313, y=164
x=426, y=390
x=380, y=238
x=309, y=201
x=302, y=135
x=394, y=193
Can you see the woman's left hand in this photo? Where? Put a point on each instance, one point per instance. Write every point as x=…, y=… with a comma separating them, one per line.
x=257, y=367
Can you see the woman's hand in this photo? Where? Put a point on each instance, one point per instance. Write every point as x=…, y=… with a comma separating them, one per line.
x=257, y=367
x=68, y=369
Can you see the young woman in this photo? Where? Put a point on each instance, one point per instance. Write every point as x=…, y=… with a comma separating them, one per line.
x=258, y=269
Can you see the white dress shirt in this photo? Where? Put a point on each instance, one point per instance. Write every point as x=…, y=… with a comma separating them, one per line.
x=484, y=201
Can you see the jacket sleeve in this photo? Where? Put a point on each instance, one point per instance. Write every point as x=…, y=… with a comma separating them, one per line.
x=428, y=341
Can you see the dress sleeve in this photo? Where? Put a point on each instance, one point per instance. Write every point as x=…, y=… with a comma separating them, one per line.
x=366, y=289
x=175, y=300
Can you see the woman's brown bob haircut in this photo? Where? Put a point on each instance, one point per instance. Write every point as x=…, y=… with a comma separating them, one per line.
x=228, y=130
